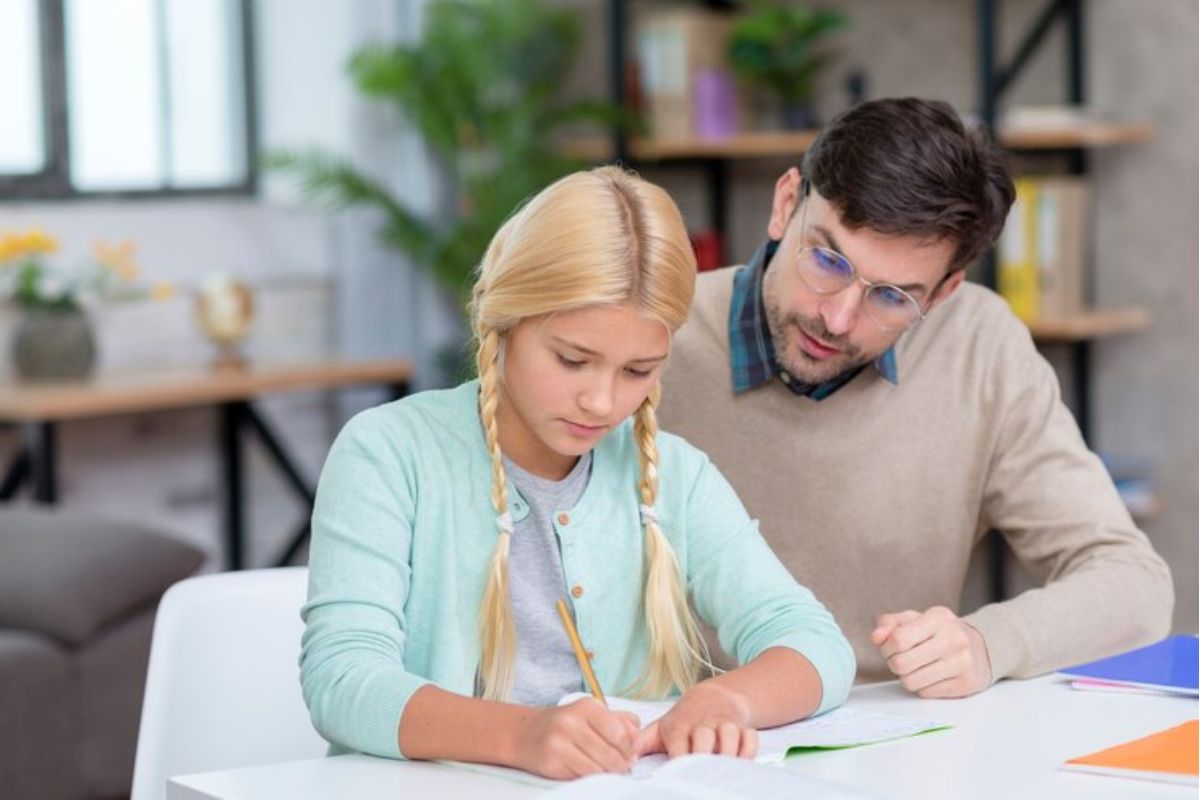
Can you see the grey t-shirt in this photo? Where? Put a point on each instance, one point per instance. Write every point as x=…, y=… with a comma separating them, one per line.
x=546, y=668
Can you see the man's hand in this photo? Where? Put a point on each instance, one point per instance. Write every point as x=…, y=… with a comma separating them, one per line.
x=935, y=654
x=708, y=718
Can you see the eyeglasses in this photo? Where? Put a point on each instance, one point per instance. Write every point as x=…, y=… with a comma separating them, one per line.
x=826, y=271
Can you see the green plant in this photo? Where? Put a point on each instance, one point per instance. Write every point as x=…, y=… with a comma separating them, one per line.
x=483, y=88
x=783, y=48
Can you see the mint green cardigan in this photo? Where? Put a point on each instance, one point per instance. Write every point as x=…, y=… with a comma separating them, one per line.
x=403, y=532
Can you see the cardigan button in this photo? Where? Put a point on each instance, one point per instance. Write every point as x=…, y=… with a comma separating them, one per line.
x=577, y=591
x=589, y=654
x=564, y=519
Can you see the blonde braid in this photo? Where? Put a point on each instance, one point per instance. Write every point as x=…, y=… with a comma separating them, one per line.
x=496, y=628
x=676, y=648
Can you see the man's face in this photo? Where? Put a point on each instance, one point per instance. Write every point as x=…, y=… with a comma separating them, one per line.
x=820, y=336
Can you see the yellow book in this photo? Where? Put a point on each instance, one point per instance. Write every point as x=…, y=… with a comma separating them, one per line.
x=1170, y=756
x=1017, y=273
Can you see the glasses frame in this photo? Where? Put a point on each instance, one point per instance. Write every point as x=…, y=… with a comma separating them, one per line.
x=855, y=277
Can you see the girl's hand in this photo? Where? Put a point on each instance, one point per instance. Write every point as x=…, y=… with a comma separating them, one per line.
x=708, y=718
x=564, y=742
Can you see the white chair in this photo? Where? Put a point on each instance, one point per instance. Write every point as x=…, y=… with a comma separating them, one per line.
x=223, y=686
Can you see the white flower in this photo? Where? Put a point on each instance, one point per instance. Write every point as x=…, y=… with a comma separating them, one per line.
x=51, y=288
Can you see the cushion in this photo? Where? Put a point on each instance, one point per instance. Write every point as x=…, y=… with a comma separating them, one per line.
x=67, y=574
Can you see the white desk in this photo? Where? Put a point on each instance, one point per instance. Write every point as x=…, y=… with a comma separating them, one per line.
x=1006, y=743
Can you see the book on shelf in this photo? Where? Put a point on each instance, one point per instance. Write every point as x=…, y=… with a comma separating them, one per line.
x=1042, y=249
x=1048, y=117
x=1017, y=267
x=686, y=83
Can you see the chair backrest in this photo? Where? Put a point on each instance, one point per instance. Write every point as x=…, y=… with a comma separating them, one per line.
x=223, y=686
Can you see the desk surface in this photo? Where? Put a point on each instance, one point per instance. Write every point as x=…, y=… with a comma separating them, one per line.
x=125, y=393
x=1007, y=743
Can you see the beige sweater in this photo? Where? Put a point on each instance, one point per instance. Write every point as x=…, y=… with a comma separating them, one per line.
x=875, y=496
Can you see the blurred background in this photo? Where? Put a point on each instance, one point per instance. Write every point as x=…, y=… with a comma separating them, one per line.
x=214, y=187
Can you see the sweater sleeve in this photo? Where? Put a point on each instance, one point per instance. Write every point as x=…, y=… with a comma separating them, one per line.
x=1103, y=588
x=739, y=587
x=352, y=656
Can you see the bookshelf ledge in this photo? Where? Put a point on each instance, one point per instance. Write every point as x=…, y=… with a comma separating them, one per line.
x=789, y=144
x=1084, y=134
x=785, y=144
x=1088, y=325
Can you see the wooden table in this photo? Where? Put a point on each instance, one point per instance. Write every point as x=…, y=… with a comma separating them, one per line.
x=38, y=408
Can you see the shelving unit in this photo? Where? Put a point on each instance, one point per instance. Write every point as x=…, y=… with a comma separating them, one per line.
x=1080, y=331
x=1076, y=140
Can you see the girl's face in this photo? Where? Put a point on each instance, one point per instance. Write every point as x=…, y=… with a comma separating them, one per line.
x=571, y=377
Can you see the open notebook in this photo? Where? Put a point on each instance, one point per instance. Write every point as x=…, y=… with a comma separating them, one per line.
x=842, y=727
x=1170, y=756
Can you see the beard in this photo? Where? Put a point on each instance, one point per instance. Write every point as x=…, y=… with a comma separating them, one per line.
x=801, y=365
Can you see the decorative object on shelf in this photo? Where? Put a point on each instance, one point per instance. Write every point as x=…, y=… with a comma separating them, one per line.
x=715, y=104
x=784, y=49
x=225, y=312
x=483, y=87
x=54, y=339
x=687, y=84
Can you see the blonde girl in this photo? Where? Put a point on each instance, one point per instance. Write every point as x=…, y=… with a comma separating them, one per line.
x=448, y=523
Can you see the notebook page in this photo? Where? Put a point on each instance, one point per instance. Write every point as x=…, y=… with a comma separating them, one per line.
x=710, y=778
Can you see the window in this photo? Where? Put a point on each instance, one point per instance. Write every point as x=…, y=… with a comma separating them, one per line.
x=126, y=97
x=22, y=136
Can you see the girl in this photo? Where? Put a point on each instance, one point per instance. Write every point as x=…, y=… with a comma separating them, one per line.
x=448, y=524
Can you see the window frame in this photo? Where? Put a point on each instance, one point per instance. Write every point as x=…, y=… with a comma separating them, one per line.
x=53, y=181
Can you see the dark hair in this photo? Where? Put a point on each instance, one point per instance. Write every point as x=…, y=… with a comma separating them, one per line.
x=909, y=167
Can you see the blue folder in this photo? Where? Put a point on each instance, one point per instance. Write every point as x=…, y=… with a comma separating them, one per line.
x=1170, y=665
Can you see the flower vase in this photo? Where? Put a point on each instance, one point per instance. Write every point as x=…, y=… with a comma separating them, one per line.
x=54, y=345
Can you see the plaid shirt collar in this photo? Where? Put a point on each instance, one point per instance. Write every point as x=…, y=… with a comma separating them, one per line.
x=751, y=352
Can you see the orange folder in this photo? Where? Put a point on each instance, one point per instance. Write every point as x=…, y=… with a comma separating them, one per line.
x=1171, y=755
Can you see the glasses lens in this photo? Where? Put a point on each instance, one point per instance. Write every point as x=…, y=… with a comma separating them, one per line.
x=892, y=307
x=824, y=271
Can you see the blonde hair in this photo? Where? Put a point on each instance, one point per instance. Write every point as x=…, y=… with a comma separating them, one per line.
x=592, y=238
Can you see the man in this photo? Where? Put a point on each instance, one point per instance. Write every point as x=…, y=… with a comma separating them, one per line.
x=879, y=416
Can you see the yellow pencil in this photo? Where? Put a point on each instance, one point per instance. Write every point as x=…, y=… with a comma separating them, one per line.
x=585, y=665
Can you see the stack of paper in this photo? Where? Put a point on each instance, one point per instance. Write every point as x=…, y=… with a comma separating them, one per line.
x=1170, y=667
x=1171, y=755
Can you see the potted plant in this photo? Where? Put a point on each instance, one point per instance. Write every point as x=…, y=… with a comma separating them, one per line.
x=54, y=338
x=482, y=86
x=783, y=49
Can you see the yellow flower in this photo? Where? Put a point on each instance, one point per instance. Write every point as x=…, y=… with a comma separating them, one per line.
x=162, y=290
x=37, y=240
x=10, y=247
x=15, y=245
x=118, y=258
